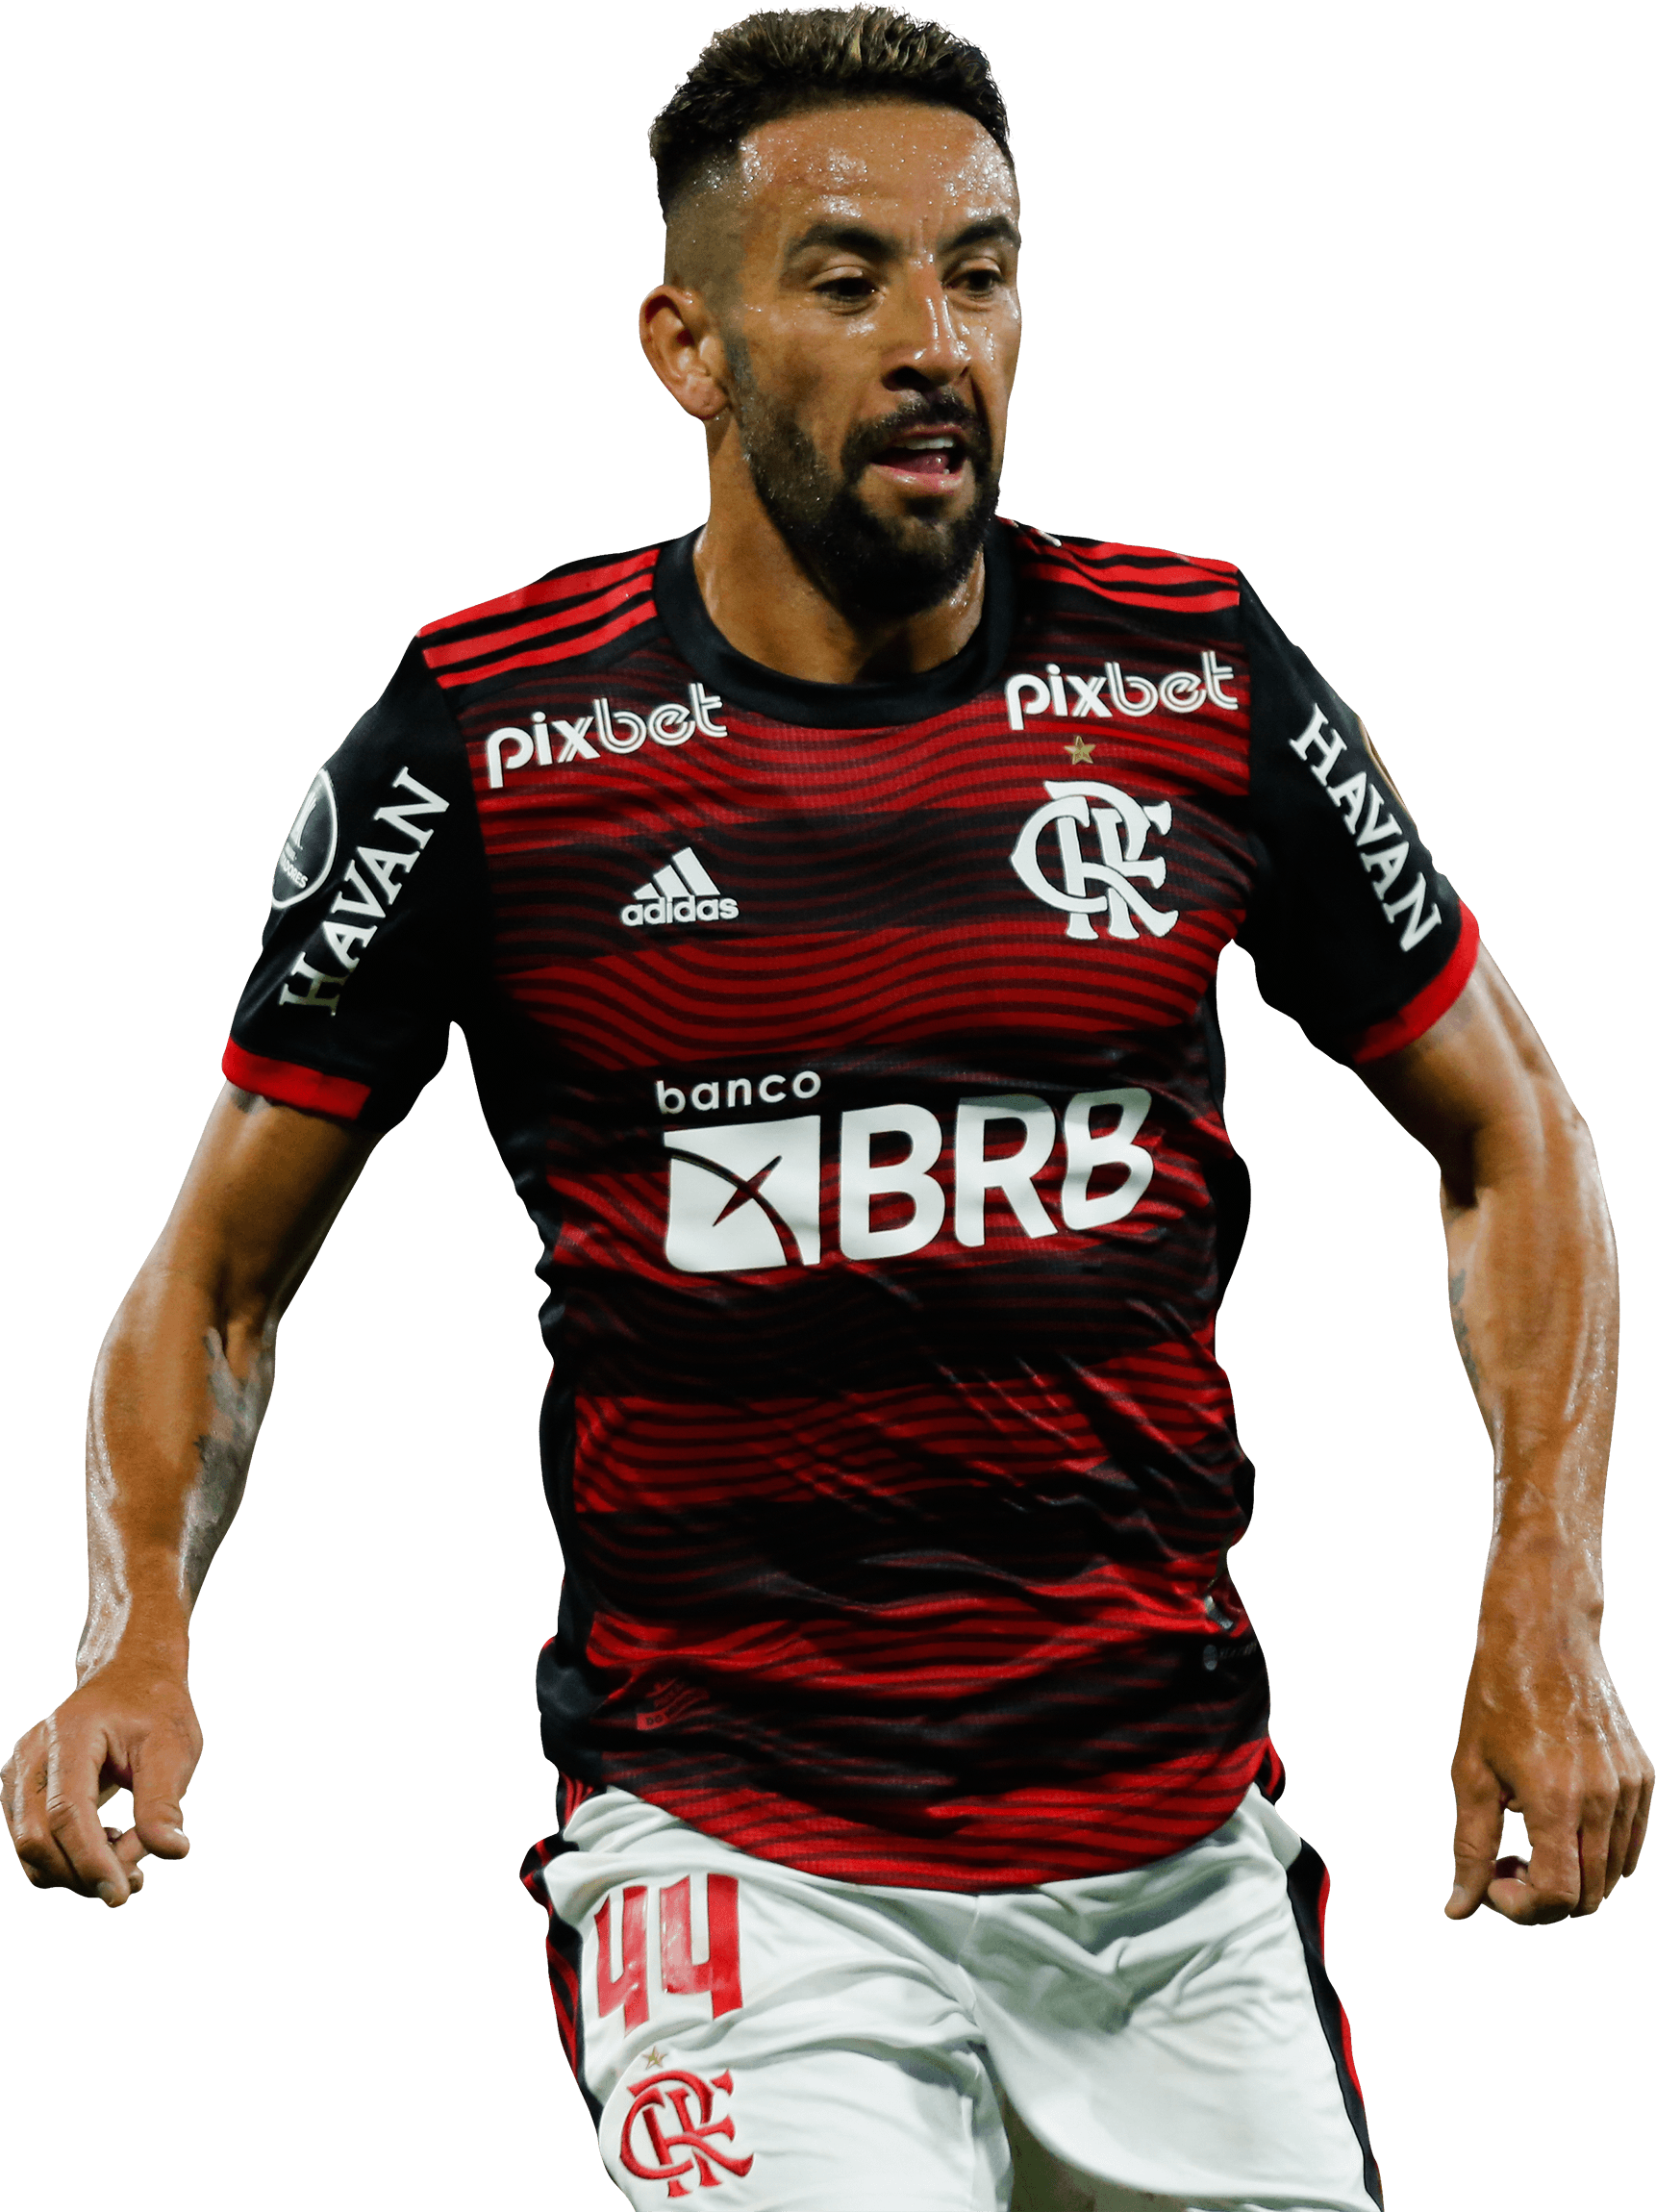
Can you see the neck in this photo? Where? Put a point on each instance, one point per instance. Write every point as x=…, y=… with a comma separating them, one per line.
x=771, y=608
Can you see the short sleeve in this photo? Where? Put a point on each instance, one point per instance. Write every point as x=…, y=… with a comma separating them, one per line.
x=376, y=918
x=1353, y=930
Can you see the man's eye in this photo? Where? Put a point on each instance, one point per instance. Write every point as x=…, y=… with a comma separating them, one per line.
x=980, y=282
x=847, y=291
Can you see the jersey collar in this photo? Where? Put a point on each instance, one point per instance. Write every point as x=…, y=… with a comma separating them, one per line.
x=739, y=682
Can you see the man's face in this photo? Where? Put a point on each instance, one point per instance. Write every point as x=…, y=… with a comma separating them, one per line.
x=871, y=331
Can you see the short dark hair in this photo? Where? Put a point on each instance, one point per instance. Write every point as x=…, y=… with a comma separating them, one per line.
x=783, y=60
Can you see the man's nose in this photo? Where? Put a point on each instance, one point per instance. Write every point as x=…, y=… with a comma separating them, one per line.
x=927, y=349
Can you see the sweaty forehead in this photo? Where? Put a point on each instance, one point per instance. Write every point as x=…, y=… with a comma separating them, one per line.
x=899, y=163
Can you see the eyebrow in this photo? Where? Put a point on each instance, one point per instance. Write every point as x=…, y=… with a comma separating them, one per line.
x=989, y=228
x=878, y=246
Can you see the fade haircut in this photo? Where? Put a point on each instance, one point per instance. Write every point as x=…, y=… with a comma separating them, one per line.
x=784, y=60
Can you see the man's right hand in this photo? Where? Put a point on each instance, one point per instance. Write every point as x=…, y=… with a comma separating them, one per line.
x=179, y=1388
x=131, y=1726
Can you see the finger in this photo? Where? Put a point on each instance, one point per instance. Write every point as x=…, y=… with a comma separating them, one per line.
x=45, y=1862
x=162, y=1768
x=1509, y=1892
x=71, y=1809
x=45, y=1865
x=1512, y=1896
x=37, y=1847
x=129, y=1847
x=1477, y=1839
x=93, y=1868
x=1595, y=1847
x=1641, y=1821
x=1555, y=1854
x=1621, y=1833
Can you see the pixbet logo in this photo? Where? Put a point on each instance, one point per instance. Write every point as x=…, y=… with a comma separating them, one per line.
x=1063, y=695
x=618, y=729
x=1110, y=883
x=747, y=1195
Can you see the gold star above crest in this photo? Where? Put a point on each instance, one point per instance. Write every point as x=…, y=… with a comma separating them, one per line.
x=654, y=2058
x=1079, y=750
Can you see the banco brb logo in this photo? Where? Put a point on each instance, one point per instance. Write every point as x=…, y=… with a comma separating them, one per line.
x=744, y=1195
x=748, y=1194
x=1108, y=884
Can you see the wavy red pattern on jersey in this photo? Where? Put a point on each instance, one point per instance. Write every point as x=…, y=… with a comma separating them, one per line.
x=1208, y=602
x=734, y=1533
x=496, y=642
x=1154, y=560
x=641, y=1455
x=589, y=641
x=962, y=1841
x=1169, y=763
x=563, y=584
x=973, y=1632
x=671, y=1003
x=1155, y=582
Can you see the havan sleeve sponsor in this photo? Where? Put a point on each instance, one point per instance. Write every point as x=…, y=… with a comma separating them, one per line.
x=376, y=919
x=1353, y=930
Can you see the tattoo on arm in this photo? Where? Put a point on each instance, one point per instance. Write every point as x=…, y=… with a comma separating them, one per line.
x=223, y=1454
x=1464, y=1335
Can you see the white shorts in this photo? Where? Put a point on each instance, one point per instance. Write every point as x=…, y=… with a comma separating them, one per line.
x=1164, y=2038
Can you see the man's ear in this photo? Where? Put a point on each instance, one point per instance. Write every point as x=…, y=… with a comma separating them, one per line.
x=681, y=344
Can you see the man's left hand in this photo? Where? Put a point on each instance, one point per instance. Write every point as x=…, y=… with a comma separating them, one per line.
x=1544, y=1734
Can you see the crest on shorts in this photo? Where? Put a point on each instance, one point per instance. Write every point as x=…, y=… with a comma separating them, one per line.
x=670, y=2131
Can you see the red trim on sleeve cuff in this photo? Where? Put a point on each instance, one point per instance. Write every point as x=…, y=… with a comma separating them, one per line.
x=1426, y=1006
x=293, y=1085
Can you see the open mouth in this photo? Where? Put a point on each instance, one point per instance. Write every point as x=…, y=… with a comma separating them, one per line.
x=931, y=459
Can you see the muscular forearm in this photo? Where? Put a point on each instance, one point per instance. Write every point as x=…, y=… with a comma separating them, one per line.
x=1532, y=1269
x=1532, y=1288
x=184, y=1374
x=179, y=1393
x=1533, y=1297
x=180, y=1390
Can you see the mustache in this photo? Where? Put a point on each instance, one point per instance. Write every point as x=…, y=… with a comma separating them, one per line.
x=940, y=411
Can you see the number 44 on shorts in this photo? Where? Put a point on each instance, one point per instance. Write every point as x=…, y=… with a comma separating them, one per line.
x=718, y=1975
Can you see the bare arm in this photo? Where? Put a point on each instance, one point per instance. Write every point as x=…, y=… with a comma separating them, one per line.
x=179, y=1391
x=1533, y=1297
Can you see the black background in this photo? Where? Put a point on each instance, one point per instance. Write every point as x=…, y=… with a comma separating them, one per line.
x=327, y=329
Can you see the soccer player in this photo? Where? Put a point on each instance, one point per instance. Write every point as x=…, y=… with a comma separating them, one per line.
x=831, y=899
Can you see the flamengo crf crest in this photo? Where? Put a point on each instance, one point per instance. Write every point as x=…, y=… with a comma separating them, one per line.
x=670, y=2131
x=1108, y=884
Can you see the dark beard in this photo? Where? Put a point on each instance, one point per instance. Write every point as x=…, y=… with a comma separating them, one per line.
x=872, y=570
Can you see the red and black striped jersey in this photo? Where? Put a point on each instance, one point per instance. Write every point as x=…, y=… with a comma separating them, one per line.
x=854, y=1050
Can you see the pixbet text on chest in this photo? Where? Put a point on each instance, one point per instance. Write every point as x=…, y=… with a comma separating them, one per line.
x=616, y=729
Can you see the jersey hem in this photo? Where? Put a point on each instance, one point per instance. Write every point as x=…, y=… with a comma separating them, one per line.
x=1023, y=1841
x=1412, y=1021
x=290, y=1085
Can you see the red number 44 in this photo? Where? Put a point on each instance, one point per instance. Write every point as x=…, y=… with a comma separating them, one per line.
x=718, y=1975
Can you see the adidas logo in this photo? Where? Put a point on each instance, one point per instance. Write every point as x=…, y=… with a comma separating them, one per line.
x=681, y=891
